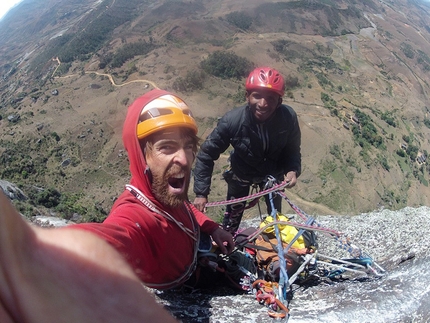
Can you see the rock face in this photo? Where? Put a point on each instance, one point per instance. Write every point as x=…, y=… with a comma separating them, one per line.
x=12, y=191
x=49, y=221
x=397, y=241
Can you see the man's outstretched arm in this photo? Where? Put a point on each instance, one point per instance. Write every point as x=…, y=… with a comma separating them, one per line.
x=66, y=275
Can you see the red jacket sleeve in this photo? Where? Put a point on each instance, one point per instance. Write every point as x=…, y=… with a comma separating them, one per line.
x=206, y=224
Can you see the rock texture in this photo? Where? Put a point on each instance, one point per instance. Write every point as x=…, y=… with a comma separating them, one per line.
x=397, y=240
x=12, y=191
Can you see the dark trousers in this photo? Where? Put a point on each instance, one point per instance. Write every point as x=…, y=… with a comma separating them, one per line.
x=234, y=212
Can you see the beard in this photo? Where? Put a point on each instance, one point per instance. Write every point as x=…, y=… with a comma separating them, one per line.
x=160, y=189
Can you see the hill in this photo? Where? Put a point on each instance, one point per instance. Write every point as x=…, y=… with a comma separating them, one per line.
x=357, y=73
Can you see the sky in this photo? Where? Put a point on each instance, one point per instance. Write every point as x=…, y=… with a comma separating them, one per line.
x=5, y=5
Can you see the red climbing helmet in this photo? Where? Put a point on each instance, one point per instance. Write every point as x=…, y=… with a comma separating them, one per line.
x=266, y=78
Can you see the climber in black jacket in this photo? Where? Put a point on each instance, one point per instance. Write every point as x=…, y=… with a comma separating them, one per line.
x=266, y=139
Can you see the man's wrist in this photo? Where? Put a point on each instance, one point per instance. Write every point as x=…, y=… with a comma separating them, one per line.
x=201, y=195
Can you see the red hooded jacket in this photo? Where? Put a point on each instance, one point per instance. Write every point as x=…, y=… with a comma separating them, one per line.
x=161, y=253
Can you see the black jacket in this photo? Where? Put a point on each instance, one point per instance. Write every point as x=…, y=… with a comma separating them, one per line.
x=249, y=160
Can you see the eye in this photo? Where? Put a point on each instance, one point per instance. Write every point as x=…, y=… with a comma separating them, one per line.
x=167, y=148
x=189, y=146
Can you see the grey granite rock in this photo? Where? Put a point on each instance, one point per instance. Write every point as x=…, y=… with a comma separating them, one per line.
x=12, y=191
x=397, y=240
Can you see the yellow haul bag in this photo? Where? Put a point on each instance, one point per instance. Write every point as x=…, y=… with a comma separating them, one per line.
x=287, y=232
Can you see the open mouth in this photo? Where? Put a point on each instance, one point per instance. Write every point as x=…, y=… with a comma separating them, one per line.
x=177, y=181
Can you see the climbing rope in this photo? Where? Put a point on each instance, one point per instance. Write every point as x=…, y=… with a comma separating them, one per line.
x=249, y=197
x=343, y=241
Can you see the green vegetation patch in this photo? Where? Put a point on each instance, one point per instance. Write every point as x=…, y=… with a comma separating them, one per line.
x=337, y=199
x=95, y=30
x=366, y=132
x=129, y=51
x=226, y=65
x=239, y=19
x=193, y=81
x=408, y=50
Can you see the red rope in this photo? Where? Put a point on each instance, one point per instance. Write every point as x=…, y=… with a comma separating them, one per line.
x=249, y=197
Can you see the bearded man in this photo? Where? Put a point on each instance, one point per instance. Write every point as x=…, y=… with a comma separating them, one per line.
x=93, y=272
x=152, y=223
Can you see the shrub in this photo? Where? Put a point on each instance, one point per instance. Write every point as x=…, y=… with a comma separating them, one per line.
x=48, y=198
x=226, y=65
x=367, y=133
x=291, y=81
x=328, y=101
x=193, y=81
x=401, y=152
x=239, y=19
x=388, y=118
x=407, y=50
x=129, y=51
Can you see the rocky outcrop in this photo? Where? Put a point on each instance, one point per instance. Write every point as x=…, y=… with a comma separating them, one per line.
x=12, y=191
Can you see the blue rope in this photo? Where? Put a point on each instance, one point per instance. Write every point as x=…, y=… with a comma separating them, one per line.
x=283, y=275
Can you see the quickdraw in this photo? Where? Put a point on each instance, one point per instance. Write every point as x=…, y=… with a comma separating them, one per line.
x=265, y=294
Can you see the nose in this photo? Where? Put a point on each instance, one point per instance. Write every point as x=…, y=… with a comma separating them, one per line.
x=181, y=157
x=263, y=102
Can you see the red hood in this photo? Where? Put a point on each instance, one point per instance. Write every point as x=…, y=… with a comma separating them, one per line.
x=139, y=178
